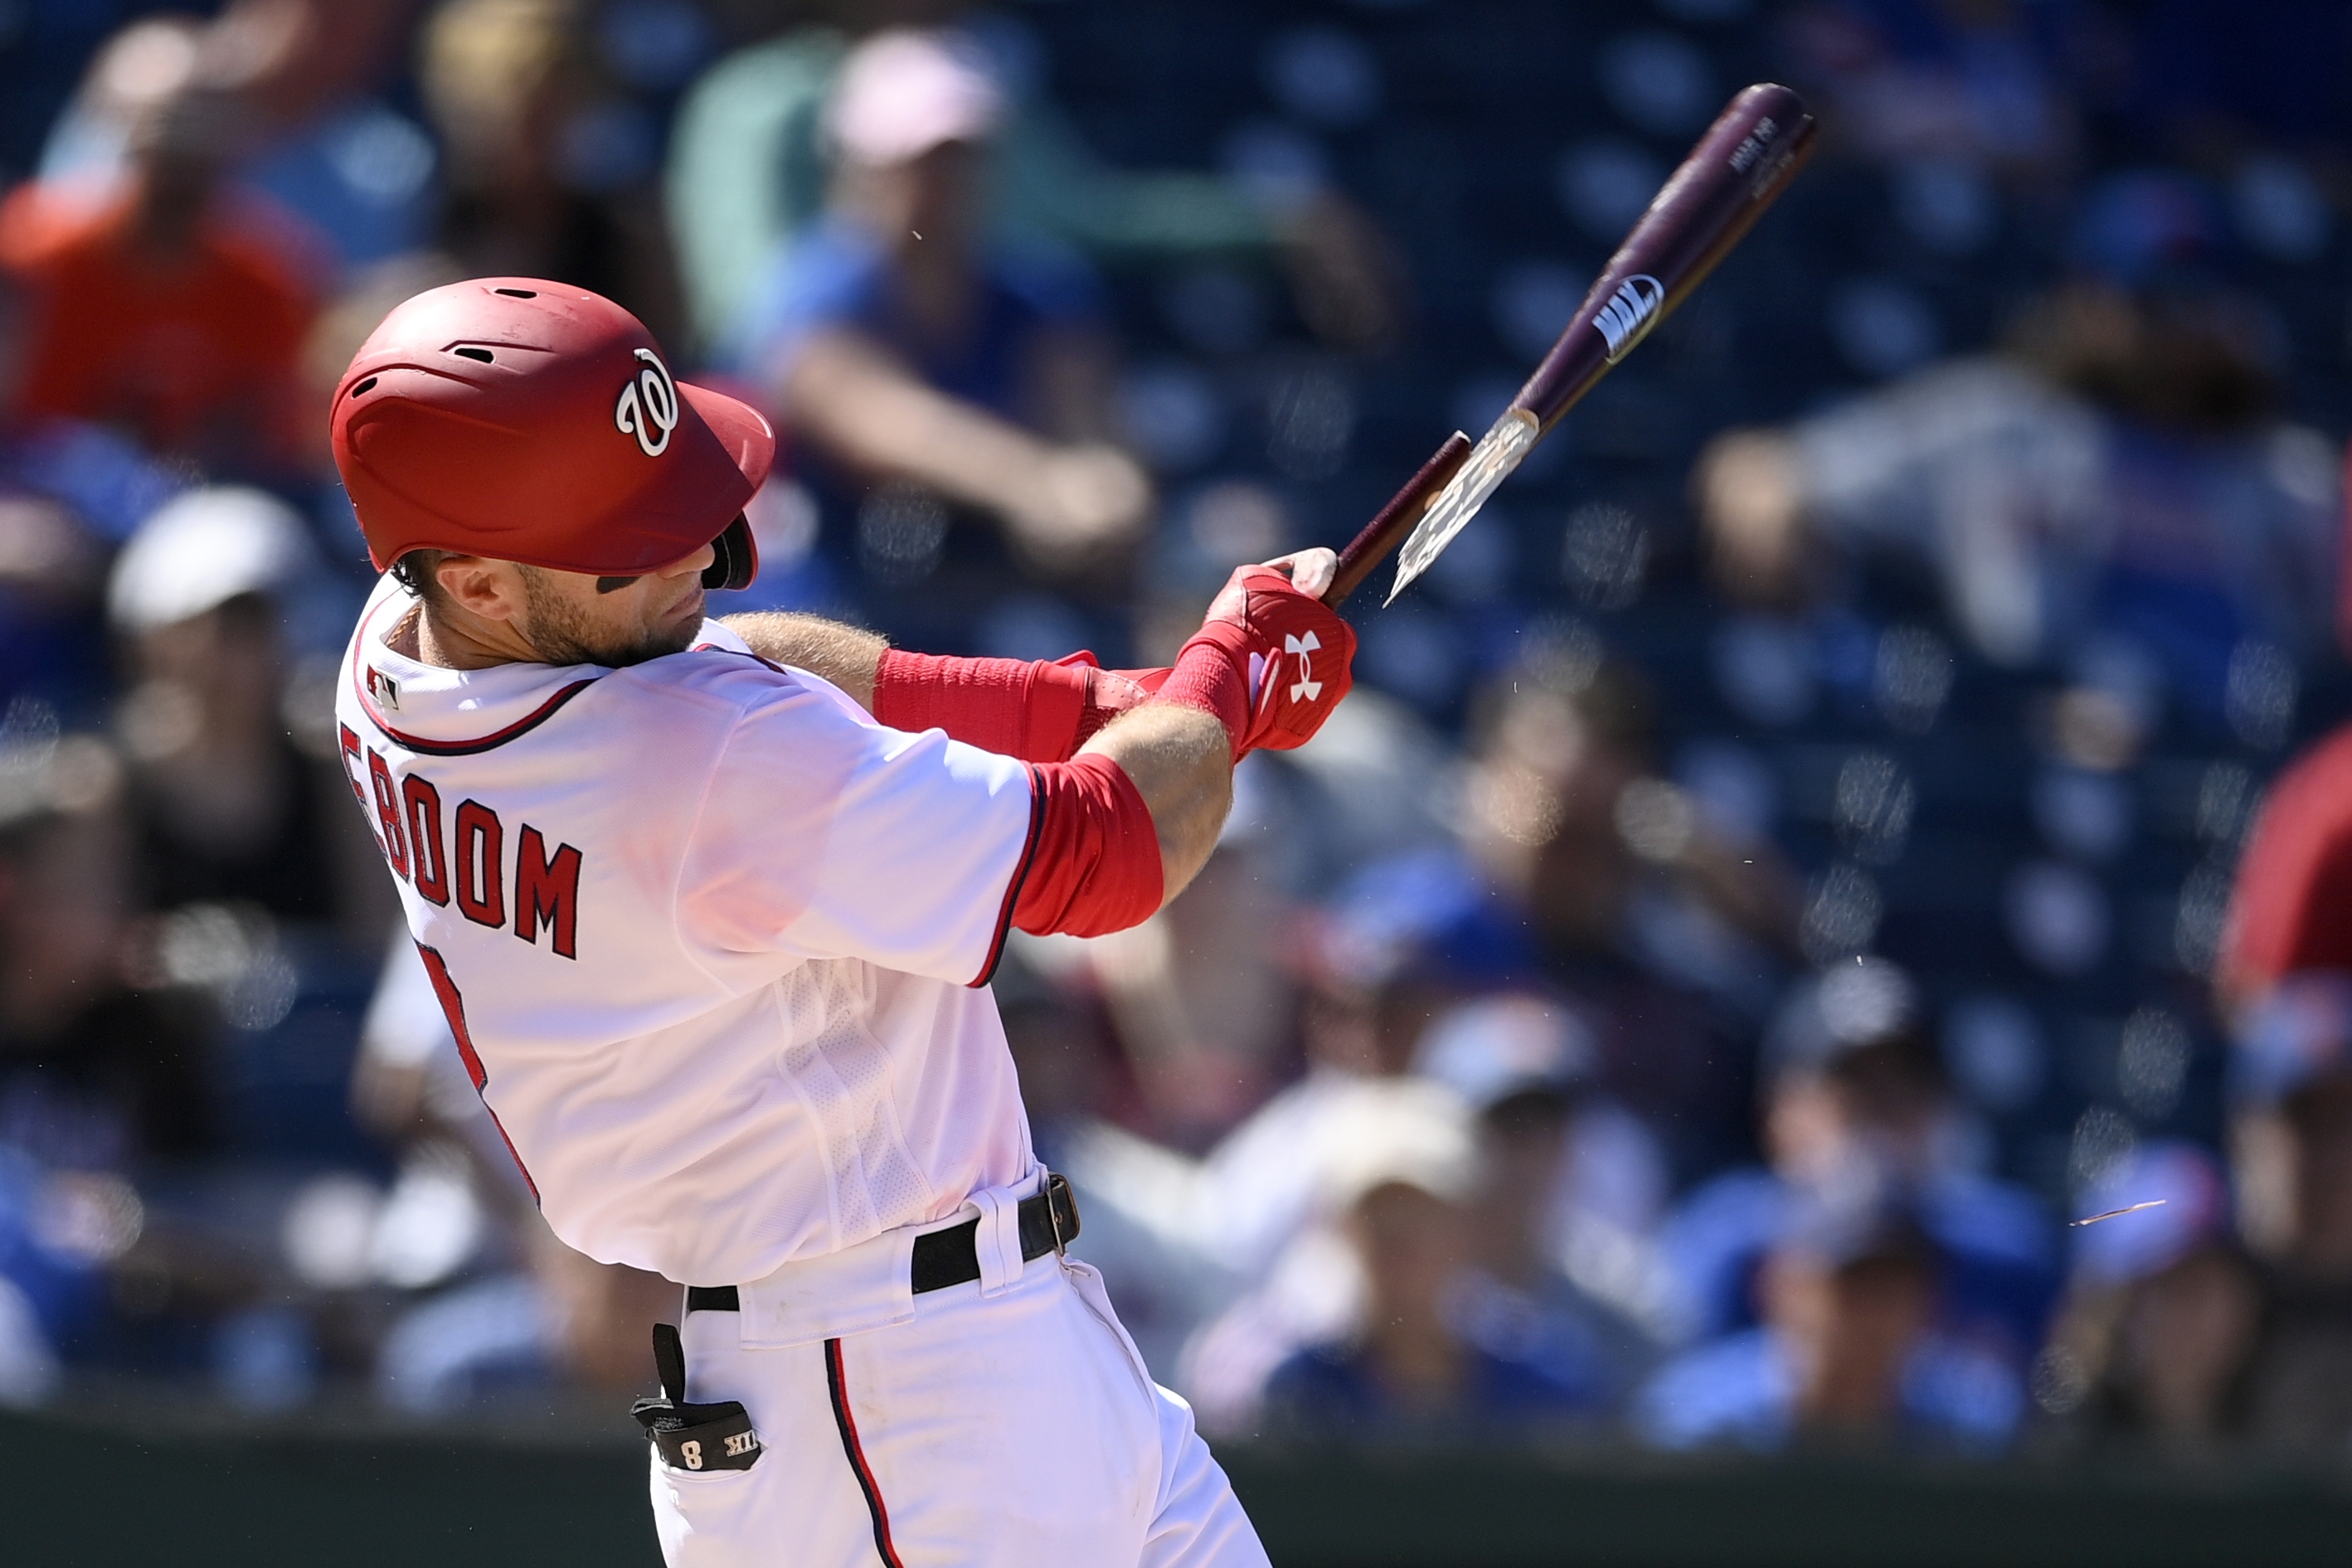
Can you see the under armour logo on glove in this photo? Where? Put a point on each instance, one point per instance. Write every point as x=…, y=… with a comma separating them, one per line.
x=1256, y=625
x=1308, y=687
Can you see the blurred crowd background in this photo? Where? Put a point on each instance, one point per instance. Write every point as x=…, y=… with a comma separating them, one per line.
x=1860, y=799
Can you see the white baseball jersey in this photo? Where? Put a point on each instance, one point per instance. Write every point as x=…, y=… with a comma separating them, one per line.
x=712, y=941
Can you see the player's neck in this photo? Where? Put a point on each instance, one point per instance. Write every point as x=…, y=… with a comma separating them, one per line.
x=448, y=643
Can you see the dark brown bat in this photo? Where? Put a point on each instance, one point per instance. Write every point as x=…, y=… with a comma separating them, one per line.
x=1743, y=162
x=1391, y=522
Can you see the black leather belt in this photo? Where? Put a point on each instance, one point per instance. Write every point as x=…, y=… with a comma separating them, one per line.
x=950, y=1257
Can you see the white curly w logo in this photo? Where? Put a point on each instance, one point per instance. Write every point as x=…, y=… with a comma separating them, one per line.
x=650, y=417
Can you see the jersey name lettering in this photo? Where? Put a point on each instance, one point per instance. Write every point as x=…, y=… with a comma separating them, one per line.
x=466, y=858
x=546, y=890
x=482, y=890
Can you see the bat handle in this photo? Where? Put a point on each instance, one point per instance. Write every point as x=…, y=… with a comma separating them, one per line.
x=1388, y=527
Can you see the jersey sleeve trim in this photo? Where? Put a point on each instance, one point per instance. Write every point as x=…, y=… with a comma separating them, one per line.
x=1020, y=875
x=752, y=654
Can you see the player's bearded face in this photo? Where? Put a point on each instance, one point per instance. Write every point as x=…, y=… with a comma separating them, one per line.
x=567, y=621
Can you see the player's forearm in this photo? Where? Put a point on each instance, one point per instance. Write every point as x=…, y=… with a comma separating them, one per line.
x=843, y=655
x=1181, y=760
x=1165, y=769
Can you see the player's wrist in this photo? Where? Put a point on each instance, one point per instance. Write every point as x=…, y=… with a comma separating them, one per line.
x=1211, y=674
x=1270, y=663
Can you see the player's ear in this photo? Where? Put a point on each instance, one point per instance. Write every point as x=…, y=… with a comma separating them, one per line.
x=489, y=588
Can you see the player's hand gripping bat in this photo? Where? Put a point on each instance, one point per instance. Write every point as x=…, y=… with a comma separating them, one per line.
x=1745, y=161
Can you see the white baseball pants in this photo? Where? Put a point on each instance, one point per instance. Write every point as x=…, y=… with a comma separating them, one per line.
x=1007, y=1421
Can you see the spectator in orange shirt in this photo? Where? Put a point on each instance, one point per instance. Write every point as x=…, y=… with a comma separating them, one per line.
x=157, y=304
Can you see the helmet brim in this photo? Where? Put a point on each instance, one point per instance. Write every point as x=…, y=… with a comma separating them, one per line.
x=750, y=442
x=741, y=429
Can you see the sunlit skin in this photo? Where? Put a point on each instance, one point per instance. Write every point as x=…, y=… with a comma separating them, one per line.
x=501, y=613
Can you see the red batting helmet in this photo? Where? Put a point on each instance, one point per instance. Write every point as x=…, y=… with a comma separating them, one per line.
x=535, y=422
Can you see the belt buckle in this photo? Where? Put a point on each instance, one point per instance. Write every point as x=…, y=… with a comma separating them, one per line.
x=1055, y=1180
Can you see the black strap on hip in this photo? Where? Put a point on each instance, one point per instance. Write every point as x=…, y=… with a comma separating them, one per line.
x=951, y=1257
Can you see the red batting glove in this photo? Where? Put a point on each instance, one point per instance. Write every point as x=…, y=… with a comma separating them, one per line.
x=1270, y=661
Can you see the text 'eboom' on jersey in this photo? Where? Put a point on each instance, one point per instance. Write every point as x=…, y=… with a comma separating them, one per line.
x=466, y=857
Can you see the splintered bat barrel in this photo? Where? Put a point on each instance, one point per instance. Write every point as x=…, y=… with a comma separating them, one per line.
x=1743, y=162
x=1738, y=168
x=1393, y=522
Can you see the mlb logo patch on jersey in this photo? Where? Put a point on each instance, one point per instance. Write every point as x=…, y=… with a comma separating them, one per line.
x=382, y=688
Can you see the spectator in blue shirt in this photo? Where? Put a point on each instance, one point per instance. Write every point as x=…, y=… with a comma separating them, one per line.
x=1577, y=865
x=1857, y=1100
x=1849, y=1350
x=2113, y=478
x=929, y=368
x=1412, y=1170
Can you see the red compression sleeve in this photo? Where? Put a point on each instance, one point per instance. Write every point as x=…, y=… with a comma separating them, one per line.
x=1013, y=708
x=1094, y=865
x=1211, y=674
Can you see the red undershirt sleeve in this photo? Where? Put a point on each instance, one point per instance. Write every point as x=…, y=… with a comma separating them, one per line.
x=1031, y=710
x=1093, y=865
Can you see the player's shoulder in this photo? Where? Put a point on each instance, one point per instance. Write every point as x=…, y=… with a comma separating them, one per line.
x=722, y=673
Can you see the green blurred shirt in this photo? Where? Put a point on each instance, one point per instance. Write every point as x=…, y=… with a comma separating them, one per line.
x=748, y=174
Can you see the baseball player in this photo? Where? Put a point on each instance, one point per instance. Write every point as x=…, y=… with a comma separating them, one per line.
x=711, y=909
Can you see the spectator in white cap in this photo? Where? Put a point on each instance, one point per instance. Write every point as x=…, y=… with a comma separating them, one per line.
x=1405, y=1198
x=203, y=549
x=925, y=362
x=1561, y=1273
x=230, y=809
